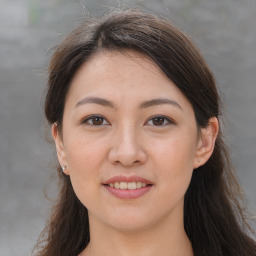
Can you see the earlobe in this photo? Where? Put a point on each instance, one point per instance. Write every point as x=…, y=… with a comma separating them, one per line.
x=206, y=142
x=60, y=148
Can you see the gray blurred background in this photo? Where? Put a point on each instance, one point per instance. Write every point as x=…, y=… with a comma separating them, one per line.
x=224, y=30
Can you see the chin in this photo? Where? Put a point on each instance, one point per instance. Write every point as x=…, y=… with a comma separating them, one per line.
x=130, y=222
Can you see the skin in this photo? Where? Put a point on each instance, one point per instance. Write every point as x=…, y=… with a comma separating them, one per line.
x=128, y=141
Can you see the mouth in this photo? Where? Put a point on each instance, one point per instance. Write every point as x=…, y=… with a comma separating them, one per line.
x=128, y=187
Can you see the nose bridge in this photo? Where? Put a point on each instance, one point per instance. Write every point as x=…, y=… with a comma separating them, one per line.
x=126, y=148
x=127, y=135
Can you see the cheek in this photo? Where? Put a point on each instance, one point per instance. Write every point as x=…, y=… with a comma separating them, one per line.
x=83, y=153
x=176, y=151
x=84, y=159
x=174, y=159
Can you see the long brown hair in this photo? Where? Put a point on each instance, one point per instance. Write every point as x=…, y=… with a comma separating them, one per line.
x=214, y=218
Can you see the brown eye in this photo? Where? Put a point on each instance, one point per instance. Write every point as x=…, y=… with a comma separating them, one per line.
x=159, y=121
x=95, y=121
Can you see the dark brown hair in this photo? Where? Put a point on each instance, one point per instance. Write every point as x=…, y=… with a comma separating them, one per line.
x=214, y=219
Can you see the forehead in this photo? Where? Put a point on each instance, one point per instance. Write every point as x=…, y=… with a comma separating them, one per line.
x=122, y=76
x=117, y=65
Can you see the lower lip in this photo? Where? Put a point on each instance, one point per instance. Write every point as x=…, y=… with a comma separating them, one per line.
x=128, y=193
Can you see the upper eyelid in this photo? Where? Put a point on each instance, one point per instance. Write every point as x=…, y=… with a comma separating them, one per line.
x=150, y=118
x=163, y=116
x=93, y=115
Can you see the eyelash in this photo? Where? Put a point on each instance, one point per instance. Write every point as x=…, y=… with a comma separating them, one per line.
x=167, y=121
x=91, y=117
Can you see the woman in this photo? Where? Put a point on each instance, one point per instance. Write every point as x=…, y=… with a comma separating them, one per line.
x=143, y=168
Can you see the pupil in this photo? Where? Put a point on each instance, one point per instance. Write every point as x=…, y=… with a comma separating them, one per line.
x=158, y=121
x=97, y=120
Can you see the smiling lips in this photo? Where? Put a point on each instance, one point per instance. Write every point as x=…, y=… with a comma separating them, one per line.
x=128, y=187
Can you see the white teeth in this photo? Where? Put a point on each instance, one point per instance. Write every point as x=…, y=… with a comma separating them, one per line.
x=117, y=185
x=131, y=185
x=139, y=184
x=128, y=185
x=123, y=185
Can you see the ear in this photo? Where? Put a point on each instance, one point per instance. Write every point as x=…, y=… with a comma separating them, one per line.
x=59, y=147
x=206, y=142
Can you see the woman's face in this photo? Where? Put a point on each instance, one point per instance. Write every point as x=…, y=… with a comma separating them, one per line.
x=129, y=141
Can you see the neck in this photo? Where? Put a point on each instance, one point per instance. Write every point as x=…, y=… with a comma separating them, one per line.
x=163, y=239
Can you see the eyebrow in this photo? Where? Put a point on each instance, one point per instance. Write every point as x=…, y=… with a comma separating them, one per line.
x=160, y=101
x=95, y=100
x=145, y=104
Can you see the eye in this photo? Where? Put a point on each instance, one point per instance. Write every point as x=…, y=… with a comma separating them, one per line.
x=160, y=121
x=95, y=120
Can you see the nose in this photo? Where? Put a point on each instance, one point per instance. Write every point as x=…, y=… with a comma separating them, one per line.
x=126, y=148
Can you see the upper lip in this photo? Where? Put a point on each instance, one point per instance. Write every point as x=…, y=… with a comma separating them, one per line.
x=122, y=178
